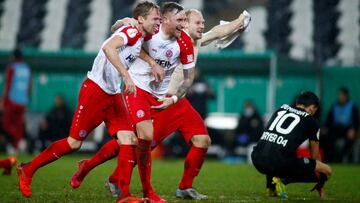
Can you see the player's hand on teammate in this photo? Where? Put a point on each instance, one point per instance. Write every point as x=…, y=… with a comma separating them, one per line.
x=124, y=22
x=157, y=71
x=130, y=87
x=166, y=102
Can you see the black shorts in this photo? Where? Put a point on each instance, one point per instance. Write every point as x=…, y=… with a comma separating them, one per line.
x=277, y=165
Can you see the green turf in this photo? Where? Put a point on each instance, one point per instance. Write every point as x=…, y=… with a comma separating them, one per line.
x=222, y=182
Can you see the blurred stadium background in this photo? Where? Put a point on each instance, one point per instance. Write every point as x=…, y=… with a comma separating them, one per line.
x=294, y=45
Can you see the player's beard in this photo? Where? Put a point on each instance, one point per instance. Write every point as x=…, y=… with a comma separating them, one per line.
x=177, y=31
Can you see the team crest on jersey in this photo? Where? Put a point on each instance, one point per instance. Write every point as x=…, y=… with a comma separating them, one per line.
x=82, y=133
x=190, y=58
x=140, y=113
x=169, y=53
x=131, y=32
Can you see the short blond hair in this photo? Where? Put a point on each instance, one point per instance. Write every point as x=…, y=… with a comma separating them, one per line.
x=188, y=12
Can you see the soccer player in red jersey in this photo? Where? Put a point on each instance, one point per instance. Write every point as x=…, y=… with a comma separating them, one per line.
x=167, y=49
x=195, y=27
x=100, y=96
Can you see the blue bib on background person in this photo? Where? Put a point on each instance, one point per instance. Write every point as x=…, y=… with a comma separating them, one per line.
x=343, y=114
x=19, y=88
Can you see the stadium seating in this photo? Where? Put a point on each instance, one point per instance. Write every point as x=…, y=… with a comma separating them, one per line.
x=100, y=16
x=256, y=41
x=121, y=9
x=1, y=7
x=302, y=29
x=349, y=34
x=32, y=23
x=278, y=20
x=76, y=24
x=317, y=30
x=54, y=23
x=9, y=23
x=325, y=30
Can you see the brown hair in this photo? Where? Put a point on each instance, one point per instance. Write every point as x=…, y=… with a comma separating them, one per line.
x=143, y=9
x=170, y=7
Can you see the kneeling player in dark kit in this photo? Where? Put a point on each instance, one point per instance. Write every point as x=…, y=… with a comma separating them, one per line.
x=275, y=153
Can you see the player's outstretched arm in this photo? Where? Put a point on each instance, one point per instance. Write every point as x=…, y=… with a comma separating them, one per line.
x=221, y=31
x=110, y=49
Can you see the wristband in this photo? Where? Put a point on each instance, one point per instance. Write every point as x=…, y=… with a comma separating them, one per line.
x=174, y=98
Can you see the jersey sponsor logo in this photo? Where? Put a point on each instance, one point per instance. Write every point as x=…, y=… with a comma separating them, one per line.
x=140, y=113
x=274, y=138
x=292, y=110
x=83, y=133
x=169, y=53
x=131, y=32
x=131, y=58
x=163, y=63
x=190, y=58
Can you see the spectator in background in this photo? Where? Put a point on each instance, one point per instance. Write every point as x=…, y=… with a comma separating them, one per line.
x=56, y=124
x=16, y=97
x=341, y=126
x=250, y=125
x=4, y=138
x=199, y=93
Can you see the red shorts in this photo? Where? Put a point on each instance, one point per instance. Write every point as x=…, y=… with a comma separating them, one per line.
x=96, y=106
x=180, y=117
x=14, y=121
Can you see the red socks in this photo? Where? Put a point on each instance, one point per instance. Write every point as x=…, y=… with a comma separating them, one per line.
x=126, y=161
x=143, y=158
x=193, y=162
x=106, y=152
x=53, y=152
x=114, y=177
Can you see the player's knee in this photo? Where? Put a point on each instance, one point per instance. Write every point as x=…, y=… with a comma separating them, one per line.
x=74, y=143
x=323, y=168
x=144, y=134
x=202, y=141
x=126, y=137
x=329, y=171
x=145, y=130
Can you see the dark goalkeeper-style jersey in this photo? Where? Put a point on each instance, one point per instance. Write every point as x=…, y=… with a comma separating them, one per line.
x=287, y=129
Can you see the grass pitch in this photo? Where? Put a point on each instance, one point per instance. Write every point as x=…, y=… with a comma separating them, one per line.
x=222, y=182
